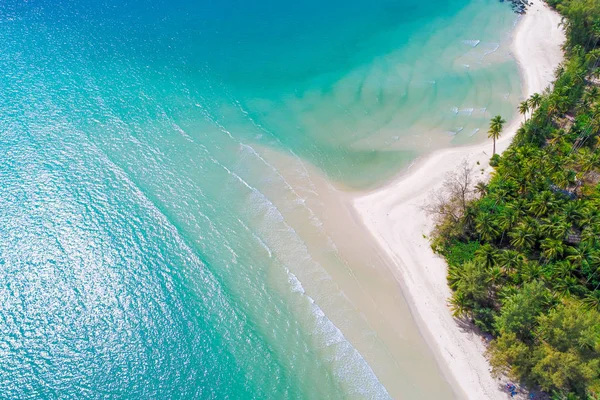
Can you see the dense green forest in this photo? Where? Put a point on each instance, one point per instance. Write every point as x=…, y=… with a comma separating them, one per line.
x=523, y=250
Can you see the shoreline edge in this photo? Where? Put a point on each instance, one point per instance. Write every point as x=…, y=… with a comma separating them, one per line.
x=392, y=214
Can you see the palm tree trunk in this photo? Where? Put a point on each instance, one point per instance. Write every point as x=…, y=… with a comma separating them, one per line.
x=494, y=152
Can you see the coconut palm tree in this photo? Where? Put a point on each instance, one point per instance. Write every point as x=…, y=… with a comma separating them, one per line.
x=522, y=237
x=510, y=260
x=592, y=300
x=542, y=204
x=590, y=217
x=534, y=101
x=481, y=188
x=567, y=285
x=573, y=211
x=531, y=271
x=592, y=58
x=591, y=162
x=552, y=248
x=496, y=125
x=508, y=217
x=472, y=281
x=485, y=225
x=553, y=106
x=590, y=235
x=556, y=227
x=460, y=305
x=589, y=96
x=486, y=255
x=593, y=263
x=524, y=109
x=578, y=256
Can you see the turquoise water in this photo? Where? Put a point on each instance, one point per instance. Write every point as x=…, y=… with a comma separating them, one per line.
x=150, y=248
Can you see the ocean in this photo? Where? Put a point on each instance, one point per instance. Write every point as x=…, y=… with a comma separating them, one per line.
x=170, y=225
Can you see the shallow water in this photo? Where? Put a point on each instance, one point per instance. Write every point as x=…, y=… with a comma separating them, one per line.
x=152, y=243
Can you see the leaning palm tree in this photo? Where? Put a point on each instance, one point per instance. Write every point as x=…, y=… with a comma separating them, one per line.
x=524, y=109
x=534, y=101
x=496, y=125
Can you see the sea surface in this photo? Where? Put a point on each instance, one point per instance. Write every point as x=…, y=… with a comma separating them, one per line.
x=163, y=227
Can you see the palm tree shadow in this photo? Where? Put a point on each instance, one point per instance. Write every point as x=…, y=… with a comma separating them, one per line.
x=467, y=326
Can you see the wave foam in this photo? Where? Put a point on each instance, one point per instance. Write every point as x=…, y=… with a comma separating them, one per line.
x=472, y=42
x=349, y=365
x=496, y=47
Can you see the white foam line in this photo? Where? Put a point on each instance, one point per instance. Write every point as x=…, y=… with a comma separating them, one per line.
x=259, y=126
x=491, y=51
x=258, y=239
x=472, y=42
x=331, y=334
x=364, y=382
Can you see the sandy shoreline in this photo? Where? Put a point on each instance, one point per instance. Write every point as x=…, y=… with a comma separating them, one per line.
x=393, y=216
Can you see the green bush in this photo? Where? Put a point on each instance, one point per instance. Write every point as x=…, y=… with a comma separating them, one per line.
x=495, y=160
x=457, y=253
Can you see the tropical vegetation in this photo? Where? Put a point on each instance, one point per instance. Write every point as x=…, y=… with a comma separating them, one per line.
x=523, y=249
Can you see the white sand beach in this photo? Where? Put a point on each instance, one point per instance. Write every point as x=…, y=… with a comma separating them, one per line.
x=394, y=217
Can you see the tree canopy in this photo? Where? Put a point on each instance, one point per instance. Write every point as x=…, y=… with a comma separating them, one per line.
x=523, y=249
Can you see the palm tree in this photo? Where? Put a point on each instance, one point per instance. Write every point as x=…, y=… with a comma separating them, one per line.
x=531, y=271
x=485, y=225
x=534, y=101
x=555, y=227
x=590, y=235
x=552, y=248
x=578, y=256
x=590, y=96
x=553, y=106
x=496, y=125
x=592, y=300
x=508, y=217
x=573, y=211
x=460, y=305
x=524, y=109
x=481, y=188
x=496, y=275
x=542, y=204
x=590, y=162
x=510, y=260
x=566, y=286
x=590, y=218
x=592, y=58
x=523, y=237
x=593, y=261
x=486, y=255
